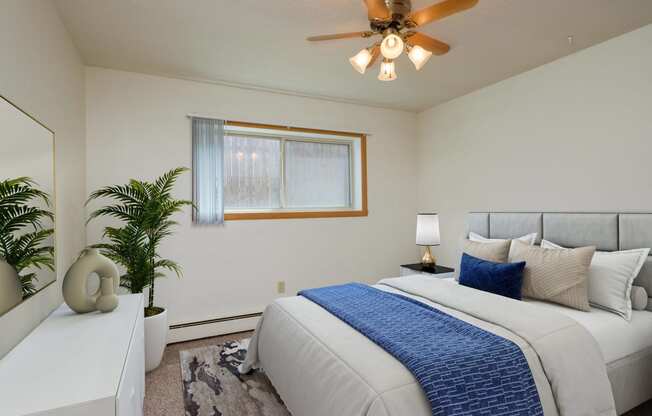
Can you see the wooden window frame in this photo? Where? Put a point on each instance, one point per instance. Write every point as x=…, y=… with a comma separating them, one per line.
x=335, y=213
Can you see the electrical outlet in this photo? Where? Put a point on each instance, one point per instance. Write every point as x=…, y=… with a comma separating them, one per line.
x=280, y=286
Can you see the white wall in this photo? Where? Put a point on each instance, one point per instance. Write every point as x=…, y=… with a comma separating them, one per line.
x=575, y=134
x=42, y=73
x=137, y=127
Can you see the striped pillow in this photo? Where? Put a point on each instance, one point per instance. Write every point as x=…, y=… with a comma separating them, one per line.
x=558, y=276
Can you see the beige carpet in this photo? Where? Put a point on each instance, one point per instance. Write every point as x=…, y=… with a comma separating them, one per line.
x=164, y=388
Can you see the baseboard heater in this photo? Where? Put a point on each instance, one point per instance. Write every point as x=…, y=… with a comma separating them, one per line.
x=216, y=320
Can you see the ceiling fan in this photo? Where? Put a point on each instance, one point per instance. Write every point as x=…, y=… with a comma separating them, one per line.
x=395, y=22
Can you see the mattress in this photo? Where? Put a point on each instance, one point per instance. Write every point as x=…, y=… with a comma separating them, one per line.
x=321, y=366
x=618, y=339
x=626, y=347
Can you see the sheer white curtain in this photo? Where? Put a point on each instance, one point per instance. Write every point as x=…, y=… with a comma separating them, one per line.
x=208, y=170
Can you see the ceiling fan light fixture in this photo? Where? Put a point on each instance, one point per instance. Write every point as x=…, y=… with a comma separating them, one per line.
x=392, y=46
x=387, y=70
x=361, y=60
x=395, y=21
x=419, y=56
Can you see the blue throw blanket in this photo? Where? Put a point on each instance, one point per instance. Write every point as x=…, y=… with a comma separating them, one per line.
x=462, y=369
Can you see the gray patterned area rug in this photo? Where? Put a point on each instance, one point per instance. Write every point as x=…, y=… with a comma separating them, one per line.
x=212, y=385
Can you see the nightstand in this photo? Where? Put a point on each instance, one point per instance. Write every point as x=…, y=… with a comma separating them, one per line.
x=439, y=272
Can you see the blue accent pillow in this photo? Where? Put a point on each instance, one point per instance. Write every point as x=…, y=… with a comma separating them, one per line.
x=505, y=279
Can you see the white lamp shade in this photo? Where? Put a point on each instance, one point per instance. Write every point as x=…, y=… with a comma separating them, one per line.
x=392, y=46
x=419, y=56
x=428, y=230
x=361, y=60
x=387, y=71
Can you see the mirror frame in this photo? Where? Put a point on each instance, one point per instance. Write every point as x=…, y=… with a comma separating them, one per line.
x=54, y=202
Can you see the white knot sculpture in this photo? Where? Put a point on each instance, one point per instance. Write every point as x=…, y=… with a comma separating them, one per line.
x=75, y=283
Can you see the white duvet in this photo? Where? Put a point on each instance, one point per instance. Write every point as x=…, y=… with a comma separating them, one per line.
x=321, y=366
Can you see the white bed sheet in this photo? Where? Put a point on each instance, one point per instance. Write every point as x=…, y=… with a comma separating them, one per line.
x=626, y=348
x=617, y=338
x=321, y=366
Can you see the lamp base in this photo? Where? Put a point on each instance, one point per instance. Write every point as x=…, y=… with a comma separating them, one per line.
x=428, y=259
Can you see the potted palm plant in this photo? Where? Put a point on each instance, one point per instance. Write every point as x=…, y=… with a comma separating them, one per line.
x=24, y=247
x=145, y=210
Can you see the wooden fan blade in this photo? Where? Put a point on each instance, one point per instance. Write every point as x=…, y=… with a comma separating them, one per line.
x=348, y=35
x=377, y=10
x=375, y=52
x=426, y=42
x=440, y=10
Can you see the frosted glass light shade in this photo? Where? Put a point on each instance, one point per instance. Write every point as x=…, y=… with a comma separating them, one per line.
x=387, y=71
x=392, y=46
x=428, y=230
x=419, y=56
x=361, y=60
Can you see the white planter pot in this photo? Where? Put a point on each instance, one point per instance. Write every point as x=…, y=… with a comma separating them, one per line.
x=11, y=291
x=156, y=333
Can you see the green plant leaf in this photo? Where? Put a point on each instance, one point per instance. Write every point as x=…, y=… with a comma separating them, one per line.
x=144, y=210
x=22, y=236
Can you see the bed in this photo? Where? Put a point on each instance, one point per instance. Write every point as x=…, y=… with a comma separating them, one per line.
x=626, y=348
x=583, y=363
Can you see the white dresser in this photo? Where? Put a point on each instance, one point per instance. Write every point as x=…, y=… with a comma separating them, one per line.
x=78, y=365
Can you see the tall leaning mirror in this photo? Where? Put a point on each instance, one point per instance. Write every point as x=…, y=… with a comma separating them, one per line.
x=27, y=239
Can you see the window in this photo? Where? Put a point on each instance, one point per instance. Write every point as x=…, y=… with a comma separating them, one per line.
x=278, y=172
x=252, y=173
x=317, y=174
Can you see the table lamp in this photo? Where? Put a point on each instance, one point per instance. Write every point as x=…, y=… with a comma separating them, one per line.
x=428, y=235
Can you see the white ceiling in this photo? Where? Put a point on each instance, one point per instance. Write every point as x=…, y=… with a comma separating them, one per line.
x=261, y=43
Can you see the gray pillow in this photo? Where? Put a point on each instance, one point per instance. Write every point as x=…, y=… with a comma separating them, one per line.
x=639, y=298
x=559, y=276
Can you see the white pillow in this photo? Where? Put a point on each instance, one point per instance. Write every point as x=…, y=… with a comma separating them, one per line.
x=527, y=239
x=639, y=298
x=611, y=274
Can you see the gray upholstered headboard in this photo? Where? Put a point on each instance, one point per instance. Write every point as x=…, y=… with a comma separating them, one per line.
x=607, y=231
